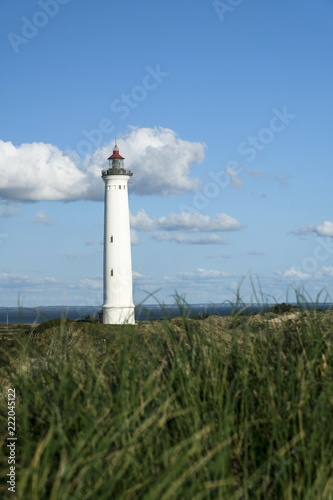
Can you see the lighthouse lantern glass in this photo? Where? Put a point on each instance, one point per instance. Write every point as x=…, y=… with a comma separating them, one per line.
x=116, y=163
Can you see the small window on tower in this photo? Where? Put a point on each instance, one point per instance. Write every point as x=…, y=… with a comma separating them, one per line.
x=124, y=187
x=119, y=187
x=111, y=272
x=111, y=239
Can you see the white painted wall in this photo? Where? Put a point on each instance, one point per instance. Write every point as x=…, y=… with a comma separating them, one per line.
x=118, y=307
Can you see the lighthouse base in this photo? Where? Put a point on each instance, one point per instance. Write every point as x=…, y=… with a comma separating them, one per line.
x=118, y=315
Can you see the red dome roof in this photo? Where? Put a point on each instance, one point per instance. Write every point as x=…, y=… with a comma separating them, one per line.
x=116, y=154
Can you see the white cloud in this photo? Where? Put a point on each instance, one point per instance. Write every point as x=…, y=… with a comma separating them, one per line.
x=160, y=160
x=43, y=219
x=134, y=237
x=187, y=239
x=39, y=172
x=323, y=229
x=194, y=222
x=204, y=274
x=141, y=221
x=235, y=181
x=293, y=273
x=184, y=222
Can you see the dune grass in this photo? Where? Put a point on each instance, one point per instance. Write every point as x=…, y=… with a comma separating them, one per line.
x=220, y=408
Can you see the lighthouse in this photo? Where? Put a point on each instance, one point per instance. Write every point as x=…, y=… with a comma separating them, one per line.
x=118, y=307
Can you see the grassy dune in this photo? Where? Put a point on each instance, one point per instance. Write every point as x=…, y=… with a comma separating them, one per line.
x=239, y=407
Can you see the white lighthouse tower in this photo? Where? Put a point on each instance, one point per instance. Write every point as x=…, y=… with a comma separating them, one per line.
x=118, y=307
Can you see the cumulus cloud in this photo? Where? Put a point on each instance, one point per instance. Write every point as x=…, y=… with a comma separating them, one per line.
x=141, y=221
x=160, y=160
x=323, y=229
x=204, y=274
x=184, y=221
x=184, y=238
x=293, y=273
x=193, y=222
x=39, y=172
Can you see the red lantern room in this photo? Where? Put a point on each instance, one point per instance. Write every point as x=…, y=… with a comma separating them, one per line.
x=116, y=164
x=115, y=160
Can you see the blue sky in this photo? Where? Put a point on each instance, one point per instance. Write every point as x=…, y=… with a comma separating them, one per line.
x=223, y=111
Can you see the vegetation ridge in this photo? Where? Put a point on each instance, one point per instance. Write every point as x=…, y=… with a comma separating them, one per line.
x=233, y=407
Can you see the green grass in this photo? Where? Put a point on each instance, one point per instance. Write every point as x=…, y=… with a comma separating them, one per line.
x=217, y=408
